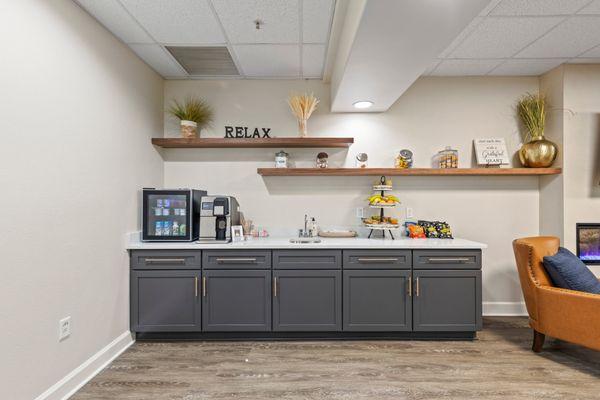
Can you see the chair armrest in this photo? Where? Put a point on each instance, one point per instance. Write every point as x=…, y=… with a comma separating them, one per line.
x=569, y=315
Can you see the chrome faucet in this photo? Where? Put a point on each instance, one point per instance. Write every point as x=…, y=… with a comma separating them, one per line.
x=303, y=233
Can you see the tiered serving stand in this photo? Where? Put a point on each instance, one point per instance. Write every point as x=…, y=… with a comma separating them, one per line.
x=382, y=188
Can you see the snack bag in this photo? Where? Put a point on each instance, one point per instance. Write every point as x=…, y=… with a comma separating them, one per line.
x=416, y=232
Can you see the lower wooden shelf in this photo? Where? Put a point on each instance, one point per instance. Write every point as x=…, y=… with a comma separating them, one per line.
x=408, y=172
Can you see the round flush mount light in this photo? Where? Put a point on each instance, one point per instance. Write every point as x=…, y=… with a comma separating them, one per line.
x=362, y=104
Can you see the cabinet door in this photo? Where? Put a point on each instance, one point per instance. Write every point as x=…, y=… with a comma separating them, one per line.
x=447, y=301
x=236, y=300
x=377, y=300
x=307, y=300
x=165, y=301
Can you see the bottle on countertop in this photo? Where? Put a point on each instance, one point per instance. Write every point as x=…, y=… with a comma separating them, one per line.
x=313, y=229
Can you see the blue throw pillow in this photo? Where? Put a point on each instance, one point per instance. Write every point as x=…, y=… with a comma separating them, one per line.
x=567, y=271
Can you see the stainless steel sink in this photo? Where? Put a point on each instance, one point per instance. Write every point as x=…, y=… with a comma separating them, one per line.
x=305, y=240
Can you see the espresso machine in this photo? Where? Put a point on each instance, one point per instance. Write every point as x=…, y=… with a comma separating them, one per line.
x=217, y=215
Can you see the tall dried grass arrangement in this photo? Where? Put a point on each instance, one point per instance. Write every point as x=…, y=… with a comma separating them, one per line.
x=532, y=111
x=302, y=106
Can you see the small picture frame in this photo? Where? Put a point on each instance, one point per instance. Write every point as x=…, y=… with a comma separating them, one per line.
x=491, y=151
x=237, y=233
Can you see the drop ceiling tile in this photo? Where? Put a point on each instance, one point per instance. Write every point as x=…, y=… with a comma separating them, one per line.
x=501, y=37
x=177, y=21
x=538, y=7
x=313, y=58
x=523, y=67
x=592, y=53
x=280, y=20
x=592, y=8
x=116, y=19
x=489, y=7
x=461, y=36
x=569, y=39
x=159, y=59
x=277, y=61
x=316, y=20
x=465, y=67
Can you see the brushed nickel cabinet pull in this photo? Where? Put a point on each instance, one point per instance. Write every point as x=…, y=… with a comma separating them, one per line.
x=417, y=287
x=371, y=259
x=410, y=286
x=165, y=260
x=203, y=286
x=448, y=259
x=275, y=287
x=196, y=286
x=236, y=260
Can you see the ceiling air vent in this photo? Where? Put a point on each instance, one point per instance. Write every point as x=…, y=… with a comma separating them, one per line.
x=204, y=61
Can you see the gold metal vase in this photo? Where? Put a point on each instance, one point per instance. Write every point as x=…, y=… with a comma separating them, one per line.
x=538, y=153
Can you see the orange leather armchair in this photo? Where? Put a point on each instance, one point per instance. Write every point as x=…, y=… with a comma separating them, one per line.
x=560, y=313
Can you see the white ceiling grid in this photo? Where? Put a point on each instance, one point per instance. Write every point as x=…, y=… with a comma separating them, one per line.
x=524, y=37
x=291, y=41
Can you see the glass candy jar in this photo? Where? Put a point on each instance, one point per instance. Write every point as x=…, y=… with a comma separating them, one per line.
x=448, y=158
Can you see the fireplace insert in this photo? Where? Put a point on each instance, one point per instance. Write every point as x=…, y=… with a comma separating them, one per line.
x=588, y=243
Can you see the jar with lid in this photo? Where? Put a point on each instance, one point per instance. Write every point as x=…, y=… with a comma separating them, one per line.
x=322, y=160
x=281, y=159
x=404, y=159
x=448, y=158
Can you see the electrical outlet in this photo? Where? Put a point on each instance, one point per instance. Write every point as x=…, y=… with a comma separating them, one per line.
x=409, y=212
x=360, y=212
x=64, y=328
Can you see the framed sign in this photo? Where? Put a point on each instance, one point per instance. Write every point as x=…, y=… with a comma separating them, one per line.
x=491, y=151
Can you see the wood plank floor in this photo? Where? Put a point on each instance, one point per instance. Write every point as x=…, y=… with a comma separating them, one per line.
x=499, y=365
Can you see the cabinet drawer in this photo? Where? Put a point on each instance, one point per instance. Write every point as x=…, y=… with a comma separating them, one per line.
x=447, y=259
x=307, y=259
x=377, y=259
x=165, y=259
x=236, y=259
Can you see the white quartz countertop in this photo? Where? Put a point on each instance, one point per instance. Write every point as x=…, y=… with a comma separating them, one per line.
x=326, y=243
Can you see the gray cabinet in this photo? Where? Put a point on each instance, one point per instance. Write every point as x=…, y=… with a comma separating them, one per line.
x=165, y=259
x=447, y=300
x=373, y=259
x=307, y=300
x=236, y=259
x=307, y=259
x=377, y=300
x=447, y=259
x=236, y=300
x=165, y=301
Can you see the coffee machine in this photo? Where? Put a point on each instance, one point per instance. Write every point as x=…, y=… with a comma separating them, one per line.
x=217, y=215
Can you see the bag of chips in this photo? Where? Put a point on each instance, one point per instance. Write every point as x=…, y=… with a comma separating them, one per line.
x=416, y=231
x=436, y=229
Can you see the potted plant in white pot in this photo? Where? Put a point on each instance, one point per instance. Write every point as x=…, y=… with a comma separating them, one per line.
x=194, y=114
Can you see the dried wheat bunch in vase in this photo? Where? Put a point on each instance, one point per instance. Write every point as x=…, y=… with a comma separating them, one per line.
x=302, y=107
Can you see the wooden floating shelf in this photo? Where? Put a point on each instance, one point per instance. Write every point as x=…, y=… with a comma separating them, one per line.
x=408, y=172
x=278, y=142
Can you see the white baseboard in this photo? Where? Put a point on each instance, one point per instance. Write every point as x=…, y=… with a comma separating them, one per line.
x=81, y=375
x=504, y=309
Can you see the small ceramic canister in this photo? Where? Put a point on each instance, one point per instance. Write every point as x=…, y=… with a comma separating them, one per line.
x=281, y=159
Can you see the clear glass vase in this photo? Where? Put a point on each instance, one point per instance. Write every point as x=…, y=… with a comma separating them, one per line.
x=302, y=127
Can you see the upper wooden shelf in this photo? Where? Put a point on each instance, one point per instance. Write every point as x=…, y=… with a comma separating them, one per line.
x=278, y=142
x=407, y=172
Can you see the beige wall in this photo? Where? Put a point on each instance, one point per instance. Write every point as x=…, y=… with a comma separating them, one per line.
x=574, y=94
x=581, y=148
x=433, y=113
x=78, y=109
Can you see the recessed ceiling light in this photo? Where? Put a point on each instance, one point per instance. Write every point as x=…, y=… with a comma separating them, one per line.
x=362, y=104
